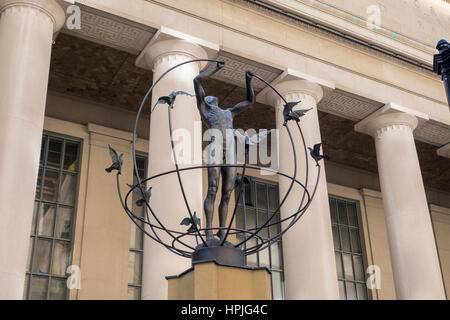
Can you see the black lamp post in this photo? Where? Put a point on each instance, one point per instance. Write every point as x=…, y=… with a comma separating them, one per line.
x=441, y=64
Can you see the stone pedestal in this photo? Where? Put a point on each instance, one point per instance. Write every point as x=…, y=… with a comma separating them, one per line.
x=210, y=281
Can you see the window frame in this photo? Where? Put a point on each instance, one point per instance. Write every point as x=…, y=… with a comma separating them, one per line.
x=29, y=274
x=254, y=181
x=133, y=250
x=362, y=243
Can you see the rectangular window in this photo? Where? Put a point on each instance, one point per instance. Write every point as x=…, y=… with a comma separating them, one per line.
x=50, y=250
x=137, y=238
x=257, y=203
x=348, y=249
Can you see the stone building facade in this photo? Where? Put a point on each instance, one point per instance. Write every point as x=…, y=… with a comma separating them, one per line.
x=382, y=210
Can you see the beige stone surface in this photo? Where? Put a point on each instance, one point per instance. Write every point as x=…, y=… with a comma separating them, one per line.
x=209, y=281
x=105, y=228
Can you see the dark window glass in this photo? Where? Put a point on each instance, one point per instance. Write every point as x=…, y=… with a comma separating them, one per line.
x=50, y=249
x=347, y=247
x=261, y=201
x=137, y=239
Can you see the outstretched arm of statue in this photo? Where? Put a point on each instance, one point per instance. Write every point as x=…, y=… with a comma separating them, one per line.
x=199, y=91
x=244, y=105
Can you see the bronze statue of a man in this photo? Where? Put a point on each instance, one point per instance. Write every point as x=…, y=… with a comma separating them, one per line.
x=221, y=120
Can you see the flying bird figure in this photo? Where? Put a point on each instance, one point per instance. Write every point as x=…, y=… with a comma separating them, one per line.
x=253, y=140
x=297, y=114
x=315, y=154
x=145, y=198
x=170, y=99
x=287, y=111
x=117, y=161
x=238, y=180
x=193, y=222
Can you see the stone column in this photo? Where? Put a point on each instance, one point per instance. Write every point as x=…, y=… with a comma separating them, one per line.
x=308, y=252
x=167, y=199
x=26, y=34
x=415, y=263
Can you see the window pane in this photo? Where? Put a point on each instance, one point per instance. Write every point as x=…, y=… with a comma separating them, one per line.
x=252, y=260
x=361, y=290
x=261, y=195
x=345, y=238
x=277, y=286
x=38, y=288
x=46, y=220
x=275, y=227
x=359, y=269
x=342, y=290
x=275, y=251
x=35, y=214
x=273, y=198
x=27, y=284
x=264, y=260
x=262, y=218
x=39, y=184
x=342, y=212
x=57, y=289
x=351, y=290
x=41, y=161
x=348, y=268
x=30, y=253
x=340, y=272
x=41, y=258
x=134, y=293
x=67, y=190
x=63, y=227
x=134, y=268
x=336, y=241
x=70, y=157
x=54, y=152
x=333, y=211
x=50, y=186
x=61, y=258
x=352, y=216
x=354, y=235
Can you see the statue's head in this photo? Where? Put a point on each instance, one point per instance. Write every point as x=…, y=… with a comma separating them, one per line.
x=212, y=101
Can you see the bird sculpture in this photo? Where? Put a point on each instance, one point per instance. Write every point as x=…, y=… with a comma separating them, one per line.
x=315, y=154
x=117, y=161
x=287, y=110
x=253, y=140
x=170, y=99
x=145, y=198
x=297, y=114
x=239, y=178
x=193, y=222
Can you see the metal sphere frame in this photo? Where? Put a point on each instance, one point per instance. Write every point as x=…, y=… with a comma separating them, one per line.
x=151, y=225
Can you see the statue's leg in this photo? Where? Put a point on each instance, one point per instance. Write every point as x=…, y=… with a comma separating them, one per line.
x=228, y=180
x=213, y=182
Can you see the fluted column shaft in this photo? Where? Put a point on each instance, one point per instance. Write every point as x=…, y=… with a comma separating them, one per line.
x=308, y=252
x=167, y=199
x=415, y=263
x=26, y=32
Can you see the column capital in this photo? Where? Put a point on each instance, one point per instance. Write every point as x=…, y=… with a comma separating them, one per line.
x=444, y=151
x=391, y=116
x=294, y=85
x=167, y=42
x=51, y=8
